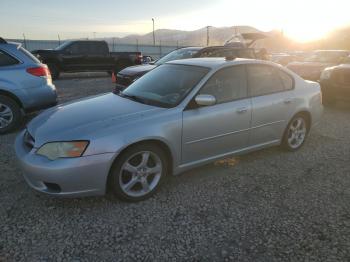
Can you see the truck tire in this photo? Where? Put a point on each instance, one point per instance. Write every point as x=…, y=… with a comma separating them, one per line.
x=55, y=72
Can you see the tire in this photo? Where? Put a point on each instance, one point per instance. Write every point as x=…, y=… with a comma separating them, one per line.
x=296, y=133
x=131, y=176
x=10, y=115
x=55, y=72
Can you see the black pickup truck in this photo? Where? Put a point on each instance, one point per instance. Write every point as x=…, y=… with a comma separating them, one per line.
x=84, y=55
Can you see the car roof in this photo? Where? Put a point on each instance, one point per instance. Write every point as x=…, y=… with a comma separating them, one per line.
x=215, y=62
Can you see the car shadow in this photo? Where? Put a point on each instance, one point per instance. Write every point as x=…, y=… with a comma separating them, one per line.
x=87, y=75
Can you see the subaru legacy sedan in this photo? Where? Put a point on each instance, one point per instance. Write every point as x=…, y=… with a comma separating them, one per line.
x=181, y=115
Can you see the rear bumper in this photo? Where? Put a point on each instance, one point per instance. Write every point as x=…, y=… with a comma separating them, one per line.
x=37, y=98
x=76, y=177
x=333, y=91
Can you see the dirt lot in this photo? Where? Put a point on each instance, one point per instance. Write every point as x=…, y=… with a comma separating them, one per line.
x=266, y=206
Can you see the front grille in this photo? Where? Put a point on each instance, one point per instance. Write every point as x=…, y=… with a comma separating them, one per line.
x=29, y=140
x=124, y=80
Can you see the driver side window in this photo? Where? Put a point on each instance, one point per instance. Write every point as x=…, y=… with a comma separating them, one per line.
x=227, y=85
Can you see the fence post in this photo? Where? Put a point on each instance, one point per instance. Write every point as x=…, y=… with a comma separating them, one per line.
x=160, y=48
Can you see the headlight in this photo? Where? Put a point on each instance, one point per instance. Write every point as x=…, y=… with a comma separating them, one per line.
x=57, y=150
x=326, y=74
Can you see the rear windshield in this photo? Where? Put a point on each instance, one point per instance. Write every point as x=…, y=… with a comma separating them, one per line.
x=29, y=55
x=178, y=55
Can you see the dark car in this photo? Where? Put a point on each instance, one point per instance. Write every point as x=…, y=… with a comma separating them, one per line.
x=125, y=77
x=335, y=83
x=312, y=67
x=83, y=56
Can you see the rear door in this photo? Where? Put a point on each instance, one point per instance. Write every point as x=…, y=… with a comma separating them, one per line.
x=222, y=128
x=273, y=102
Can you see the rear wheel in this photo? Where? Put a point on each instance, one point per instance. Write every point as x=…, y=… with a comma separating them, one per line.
x=296, y=133
x=55, y=72
x=138, y=172
x=10, y=115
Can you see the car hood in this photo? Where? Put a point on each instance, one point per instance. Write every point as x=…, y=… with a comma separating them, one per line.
x=80, y=119
x=137, y=70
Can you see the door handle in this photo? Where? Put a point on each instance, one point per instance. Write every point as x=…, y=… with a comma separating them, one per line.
x=242, y=110
x=288, y=101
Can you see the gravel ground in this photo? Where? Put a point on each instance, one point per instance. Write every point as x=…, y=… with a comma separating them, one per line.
x=265, y=206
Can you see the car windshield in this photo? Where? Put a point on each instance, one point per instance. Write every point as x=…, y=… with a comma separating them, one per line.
x=166, y=86
x=63, y=46
x=325, y=57
x=178, y=55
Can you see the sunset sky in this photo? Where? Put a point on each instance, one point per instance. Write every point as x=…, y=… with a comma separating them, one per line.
x=302, y=20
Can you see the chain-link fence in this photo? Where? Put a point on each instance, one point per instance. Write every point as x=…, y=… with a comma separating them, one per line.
x=155, y=51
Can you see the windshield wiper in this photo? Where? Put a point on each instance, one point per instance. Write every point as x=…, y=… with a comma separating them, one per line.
x=131, y=97
x=144, y=100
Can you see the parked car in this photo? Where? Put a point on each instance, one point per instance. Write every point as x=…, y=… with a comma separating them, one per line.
x=25, y=85
x=180, y=115
x=146, y=59
x=335, y=83
x=83, y=55
x=127, y=76
x=313, y=65
x=282, y=58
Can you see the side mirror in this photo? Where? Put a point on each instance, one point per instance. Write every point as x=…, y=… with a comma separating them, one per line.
x=205, y=100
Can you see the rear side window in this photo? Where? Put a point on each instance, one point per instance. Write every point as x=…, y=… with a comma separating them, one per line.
x=227, y=85
x=7, y=60
x=263, y=80
x=286, y=80
x=29, y=55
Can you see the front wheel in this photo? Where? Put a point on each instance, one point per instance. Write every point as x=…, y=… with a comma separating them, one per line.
x=138, y=172
x=296, y=133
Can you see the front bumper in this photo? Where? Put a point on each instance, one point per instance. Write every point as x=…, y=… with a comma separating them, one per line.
x=75, y=177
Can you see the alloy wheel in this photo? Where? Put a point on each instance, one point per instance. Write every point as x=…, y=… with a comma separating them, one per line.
x=140, y=174
x=6, y=116
x=297, y=133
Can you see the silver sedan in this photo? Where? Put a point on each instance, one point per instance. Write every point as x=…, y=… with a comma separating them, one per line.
x=180, y=115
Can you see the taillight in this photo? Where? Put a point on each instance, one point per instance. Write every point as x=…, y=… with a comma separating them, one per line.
x=40, y=71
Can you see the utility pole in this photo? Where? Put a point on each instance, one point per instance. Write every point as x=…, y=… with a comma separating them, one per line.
x=94, y=33
x=208, y=37
x=154, y=36
x=59, y=39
